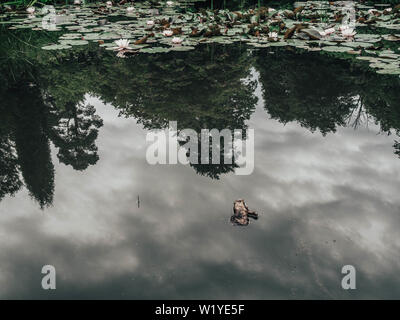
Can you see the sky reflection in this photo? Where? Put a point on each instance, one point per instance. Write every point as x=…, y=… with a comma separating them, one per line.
x=324, y=202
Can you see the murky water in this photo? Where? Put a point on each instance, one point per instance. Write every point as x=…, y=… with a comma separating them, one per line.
x=73, y=166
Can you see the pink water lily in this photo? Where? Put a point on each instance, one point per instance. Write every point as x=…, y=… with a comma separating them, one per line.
x=177, y=40
x=168, y=33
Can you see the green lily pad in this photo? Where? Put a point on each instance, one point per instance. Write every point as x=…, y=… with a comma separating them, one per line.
x=181, y=48
x=155, y=50
x=57, y=47
x=74, y=42
x=335, y=49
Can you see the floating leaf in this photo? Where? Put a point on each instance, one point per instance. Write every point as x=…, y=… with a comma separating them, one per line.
x=56, y=47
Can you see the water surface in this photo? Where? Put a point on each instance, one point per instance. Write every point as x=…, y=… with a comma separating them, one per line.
x=73, y=164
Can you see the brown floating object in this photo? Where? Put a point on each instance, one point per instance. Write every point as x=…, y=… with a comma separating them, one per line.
x=141, y=41
x=289, y=33
x=144, y=39
x=194, y=32
x=298, y=9
x=177, y=31
x=241, y=213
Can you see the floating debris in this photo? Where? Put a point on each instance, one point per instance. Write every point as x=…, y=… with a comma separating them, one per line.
x=241, y=213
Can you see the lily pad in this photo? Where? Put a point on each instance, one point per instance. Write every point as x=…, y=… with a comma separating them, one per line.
x=335, y=49
x=57, y=47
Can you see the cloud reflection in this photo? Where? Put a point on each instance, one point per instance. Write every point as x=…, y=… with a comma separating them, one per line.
x=323, y=201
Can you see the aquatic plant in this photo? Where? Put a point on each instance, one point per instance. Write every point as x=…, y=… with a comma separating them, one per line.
x=348, y=32
x=300, y=28
x=177, y=40
x=168, y=33
x=122, y=44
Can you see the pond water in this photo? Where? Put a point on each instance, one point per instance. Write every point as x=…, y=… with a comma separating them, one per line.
x=73, y=166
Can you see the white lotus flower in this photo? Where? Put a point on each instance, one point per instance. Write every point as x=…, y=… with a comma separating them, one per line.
x=150, y=23
x=348, y=33
x=30, y=10
x=372, y=11
x=270, y=10
x=177, y=40
x=109, y=4
x=327, y=32
x=388, y=10
x=77, y=1
x=130, y=9
x=122, y=44
x=168, y=33
x=170, y=3
x=273, y=35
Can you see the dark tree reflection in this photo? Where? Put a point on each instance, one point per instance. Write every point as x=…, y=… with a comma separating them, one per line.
x=43, y=99
x=322, y=93
x=10, y=182
x=74, y=133
x=201, y=89
x=31, y=142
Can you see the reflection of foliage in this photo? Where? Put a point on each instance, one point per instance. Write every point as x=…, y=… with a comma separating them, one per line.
x=212, y=170
x=42, y=99
x=9, y=176
x=307, y=89
x=32, y=144
x=75, y=134
x=200, y=90
x=322, y=95
x=30, y=118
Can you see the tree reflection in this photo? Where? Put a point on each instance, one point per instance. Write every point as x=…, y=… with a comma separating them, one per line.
x=31, y=142
x=322, y=93
x=74, y=132
x=43, y=101
x=202, y=89
x=10, y=182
